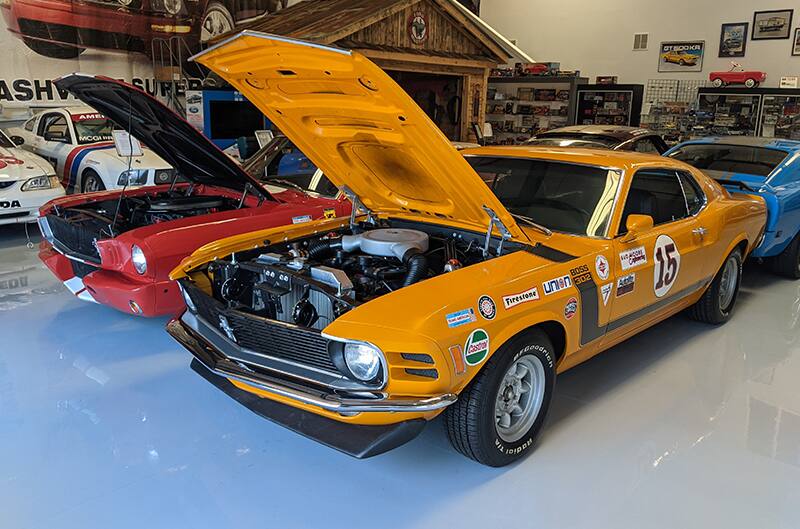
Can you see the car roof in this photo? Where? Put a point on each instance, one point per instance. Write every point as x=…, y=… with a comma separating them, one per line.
x=624, y=160
x=617, y=132
x=750, y=141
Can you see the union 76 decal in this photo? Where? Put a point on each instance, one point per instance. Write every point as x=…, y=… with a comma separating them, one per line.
x=667, y=265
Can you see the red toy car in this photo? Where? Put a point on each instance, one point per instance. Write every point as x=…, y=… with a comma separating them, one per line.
x=750, y=79
x=118, y=248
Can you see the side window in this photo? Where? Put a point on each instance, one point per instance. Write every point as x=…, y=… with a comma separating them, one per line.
x=54, y=124
x=657, y=193
x=695, y=198
x=29, y=124
x=645, y=145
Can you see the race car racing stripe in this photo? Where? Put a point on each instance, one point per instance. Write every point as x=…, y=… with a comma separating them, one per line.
x=551, y=254
x=73, y=163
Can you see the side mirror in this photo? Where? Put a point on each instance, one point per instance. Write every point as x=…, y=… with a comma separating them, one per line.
x=636, y=225
x=55, y=136
x=17, y=140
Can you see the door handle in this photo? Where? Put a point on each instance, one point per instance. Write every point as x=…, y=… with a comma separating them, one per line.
x=700, y=231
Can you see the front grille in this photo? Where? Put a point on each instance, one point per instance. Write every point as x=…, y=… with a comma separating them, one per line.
x=284, y=341
x=15, y=215
x=4, y=185
x=81, y=269
x=73, y=237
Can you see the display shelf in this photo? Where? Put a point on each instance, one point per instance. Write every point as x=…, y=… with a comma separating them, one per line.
x=609, y=105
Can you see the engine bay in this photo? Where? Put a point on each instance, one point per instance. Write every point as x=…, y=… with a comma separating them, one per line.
x=310, y=282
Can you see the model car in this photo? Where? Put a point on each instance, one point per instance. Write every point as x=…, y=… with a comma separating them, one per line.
x=750, y=79
x=78, y=142
x=117, y=248
x=63, y=29
x=443, y=293
x=679, y=57
x=27, y=181
x=768, y=167
x=602, y=137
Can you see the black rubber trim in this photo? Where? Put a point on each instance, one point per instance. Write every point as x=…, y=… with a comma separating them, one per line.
x=354, y=440
x=551, y=254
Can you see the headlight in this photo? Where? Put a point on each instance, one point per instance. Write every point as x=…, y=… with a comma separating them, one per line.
x=40, y=182
x=132, y=177
x=363, y=360
x=138, y=259
x=173, y=7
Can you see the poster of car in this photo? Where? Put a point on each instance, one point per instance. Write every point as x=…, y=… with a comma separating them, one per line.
x=682, y=56
x=768, y=25
x=733, y=39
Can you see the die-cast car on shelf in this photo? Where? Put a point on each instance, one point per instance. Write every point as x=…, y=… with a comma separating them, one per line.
x=613, y=137
x=447, y=294
x=78, y=142
x=117, y=248
x=679, y=57
x=27, y=182
x=767, y=166
x=750, y=79
x=63, y=29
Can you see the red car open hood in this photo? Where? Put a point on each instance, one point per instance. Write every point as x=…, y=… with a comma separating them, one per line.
x=163, y=131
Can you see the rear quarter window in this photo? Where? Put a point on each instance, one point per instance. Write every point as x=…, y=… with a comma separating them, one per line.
x=757, y=161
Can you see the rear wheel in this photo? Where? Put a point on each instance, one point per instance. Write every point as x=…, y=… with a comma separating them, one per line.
x=717, y=82
x=216, y=21
x=718, y=301
x=787, y=263
x=751, y=83
x=499, y=415
x=91, y=182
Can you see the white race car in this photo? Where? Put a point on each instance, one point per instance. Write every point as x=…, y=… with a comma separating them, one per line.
x=27, y=182
x=78, y=142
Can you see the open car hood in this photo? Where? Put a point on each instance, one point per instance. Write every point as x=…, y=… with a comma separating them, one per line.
x=357, y=125
x=163, y=131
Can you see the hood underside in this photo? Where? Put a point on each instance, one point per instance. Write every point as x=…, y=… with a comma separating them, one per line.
x=357, y=125
x=164, y=132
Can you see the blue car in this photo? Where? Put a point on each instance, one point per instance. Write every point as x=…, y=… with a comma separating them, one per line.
x=768, y=167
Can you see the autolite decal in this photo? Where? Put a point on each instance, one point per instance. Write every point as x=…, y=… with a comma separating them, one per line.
x=462, y=317
x=477, y=347
x=532, y=294
x=633, y=258
x=626, y=284
x=556, y=285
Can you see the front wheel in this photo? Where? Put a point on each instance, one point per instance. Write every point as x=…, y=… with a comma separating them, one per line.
x=751, y=83
x=92, y=182
x=717, y=83
x=716, y=305
x=787, y=263
x=499, y=415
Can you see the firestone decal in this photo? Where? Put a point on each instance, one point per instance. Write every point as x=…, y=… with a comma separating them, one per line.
x=571, y=308
x=626, y=284
x=633, y=258
x=477, y=347
x=462, y=317
x=532, y=294
x=556, y=285
x=487, y=307
x=602, y=267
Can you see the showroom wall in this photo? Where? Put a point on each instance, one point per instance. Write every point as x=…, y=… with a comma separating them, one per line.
x=597, y=37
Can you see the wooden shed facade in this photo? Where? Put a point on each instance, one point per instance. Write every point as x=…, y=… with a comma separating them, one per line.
x=441, y=55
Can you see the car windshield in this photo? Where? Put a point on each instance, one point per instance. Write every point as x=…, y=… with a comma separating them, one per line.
x=554, y=141
x=564, y=197
x=757, y=161
x=5, y=142
x=289, y=168
x=92, y=128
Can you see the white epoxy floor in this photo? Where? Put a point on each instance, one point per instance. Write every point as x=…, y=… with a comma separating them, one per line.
x=104, y=425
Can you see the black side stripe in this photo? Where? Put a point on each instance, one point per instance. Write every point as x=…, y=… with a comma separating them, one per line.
x=590, y=295
x=551, y=254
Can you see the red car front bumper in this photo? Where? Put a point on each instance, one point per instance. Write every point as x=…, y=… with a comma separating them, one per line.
x=94, y=25
x=130, y=295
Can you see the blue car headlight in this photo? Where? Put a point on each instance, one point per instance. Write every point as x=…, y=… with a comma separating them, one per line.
x=132, y=177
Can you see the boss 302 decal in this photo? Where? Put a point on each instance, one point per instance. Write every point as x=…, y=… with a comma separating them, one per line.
x=667, y=265
x=580, y=274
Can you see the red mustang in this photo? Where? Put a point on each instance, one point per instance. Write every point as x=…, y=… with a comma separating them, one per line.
x=118, y=248
x=750, y=79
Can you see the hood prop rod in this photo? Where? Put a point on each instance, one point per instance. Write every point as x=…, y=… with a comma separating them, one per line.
x=357, y=206
x=494, y=221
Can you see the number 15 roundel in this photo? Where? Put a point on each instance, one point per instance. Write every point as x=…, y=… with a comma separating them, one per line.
x=667, y=265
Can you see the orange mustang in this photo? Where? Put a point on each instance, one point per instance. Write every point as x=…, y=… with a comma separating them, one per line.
x=444, y=294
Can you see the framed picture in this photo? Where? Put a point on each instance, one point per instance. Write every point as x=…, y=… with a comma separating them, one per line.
x=796, y=43
x=683, y=56
x=772, y=24
x=733, y=39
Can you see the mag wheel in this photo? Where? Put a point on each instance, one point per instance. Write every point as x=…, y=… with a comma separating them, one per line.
x=718, y=301
x=499, y=415
x=92, y=182
x=217, y=21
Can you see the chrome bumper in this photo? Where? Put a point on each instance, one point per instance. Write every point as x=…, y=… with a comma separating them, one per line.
x=218, y=364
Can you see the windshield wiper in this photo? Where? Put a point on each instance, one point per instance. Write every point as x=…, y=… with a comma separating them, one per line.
x=532, y=223
x=287, y=183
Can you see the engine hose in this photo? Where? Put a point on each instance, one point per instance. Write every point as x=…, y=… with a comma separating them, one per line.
x=321, y=247
x=417, y=265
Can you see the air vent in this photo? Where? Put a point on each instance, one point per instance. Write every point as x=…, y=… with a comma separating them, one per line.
x=640, y=41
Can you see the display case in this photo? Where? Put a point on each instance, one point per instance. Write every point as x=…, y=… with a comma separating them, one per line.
x=727, y=112
x=601, y=104
x=518, y=107
x=780, y=114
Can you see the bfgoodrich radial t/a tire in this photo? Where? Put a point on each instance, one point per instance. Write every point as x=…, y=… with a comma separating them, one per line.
x=499, y=415
x=717, y=303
